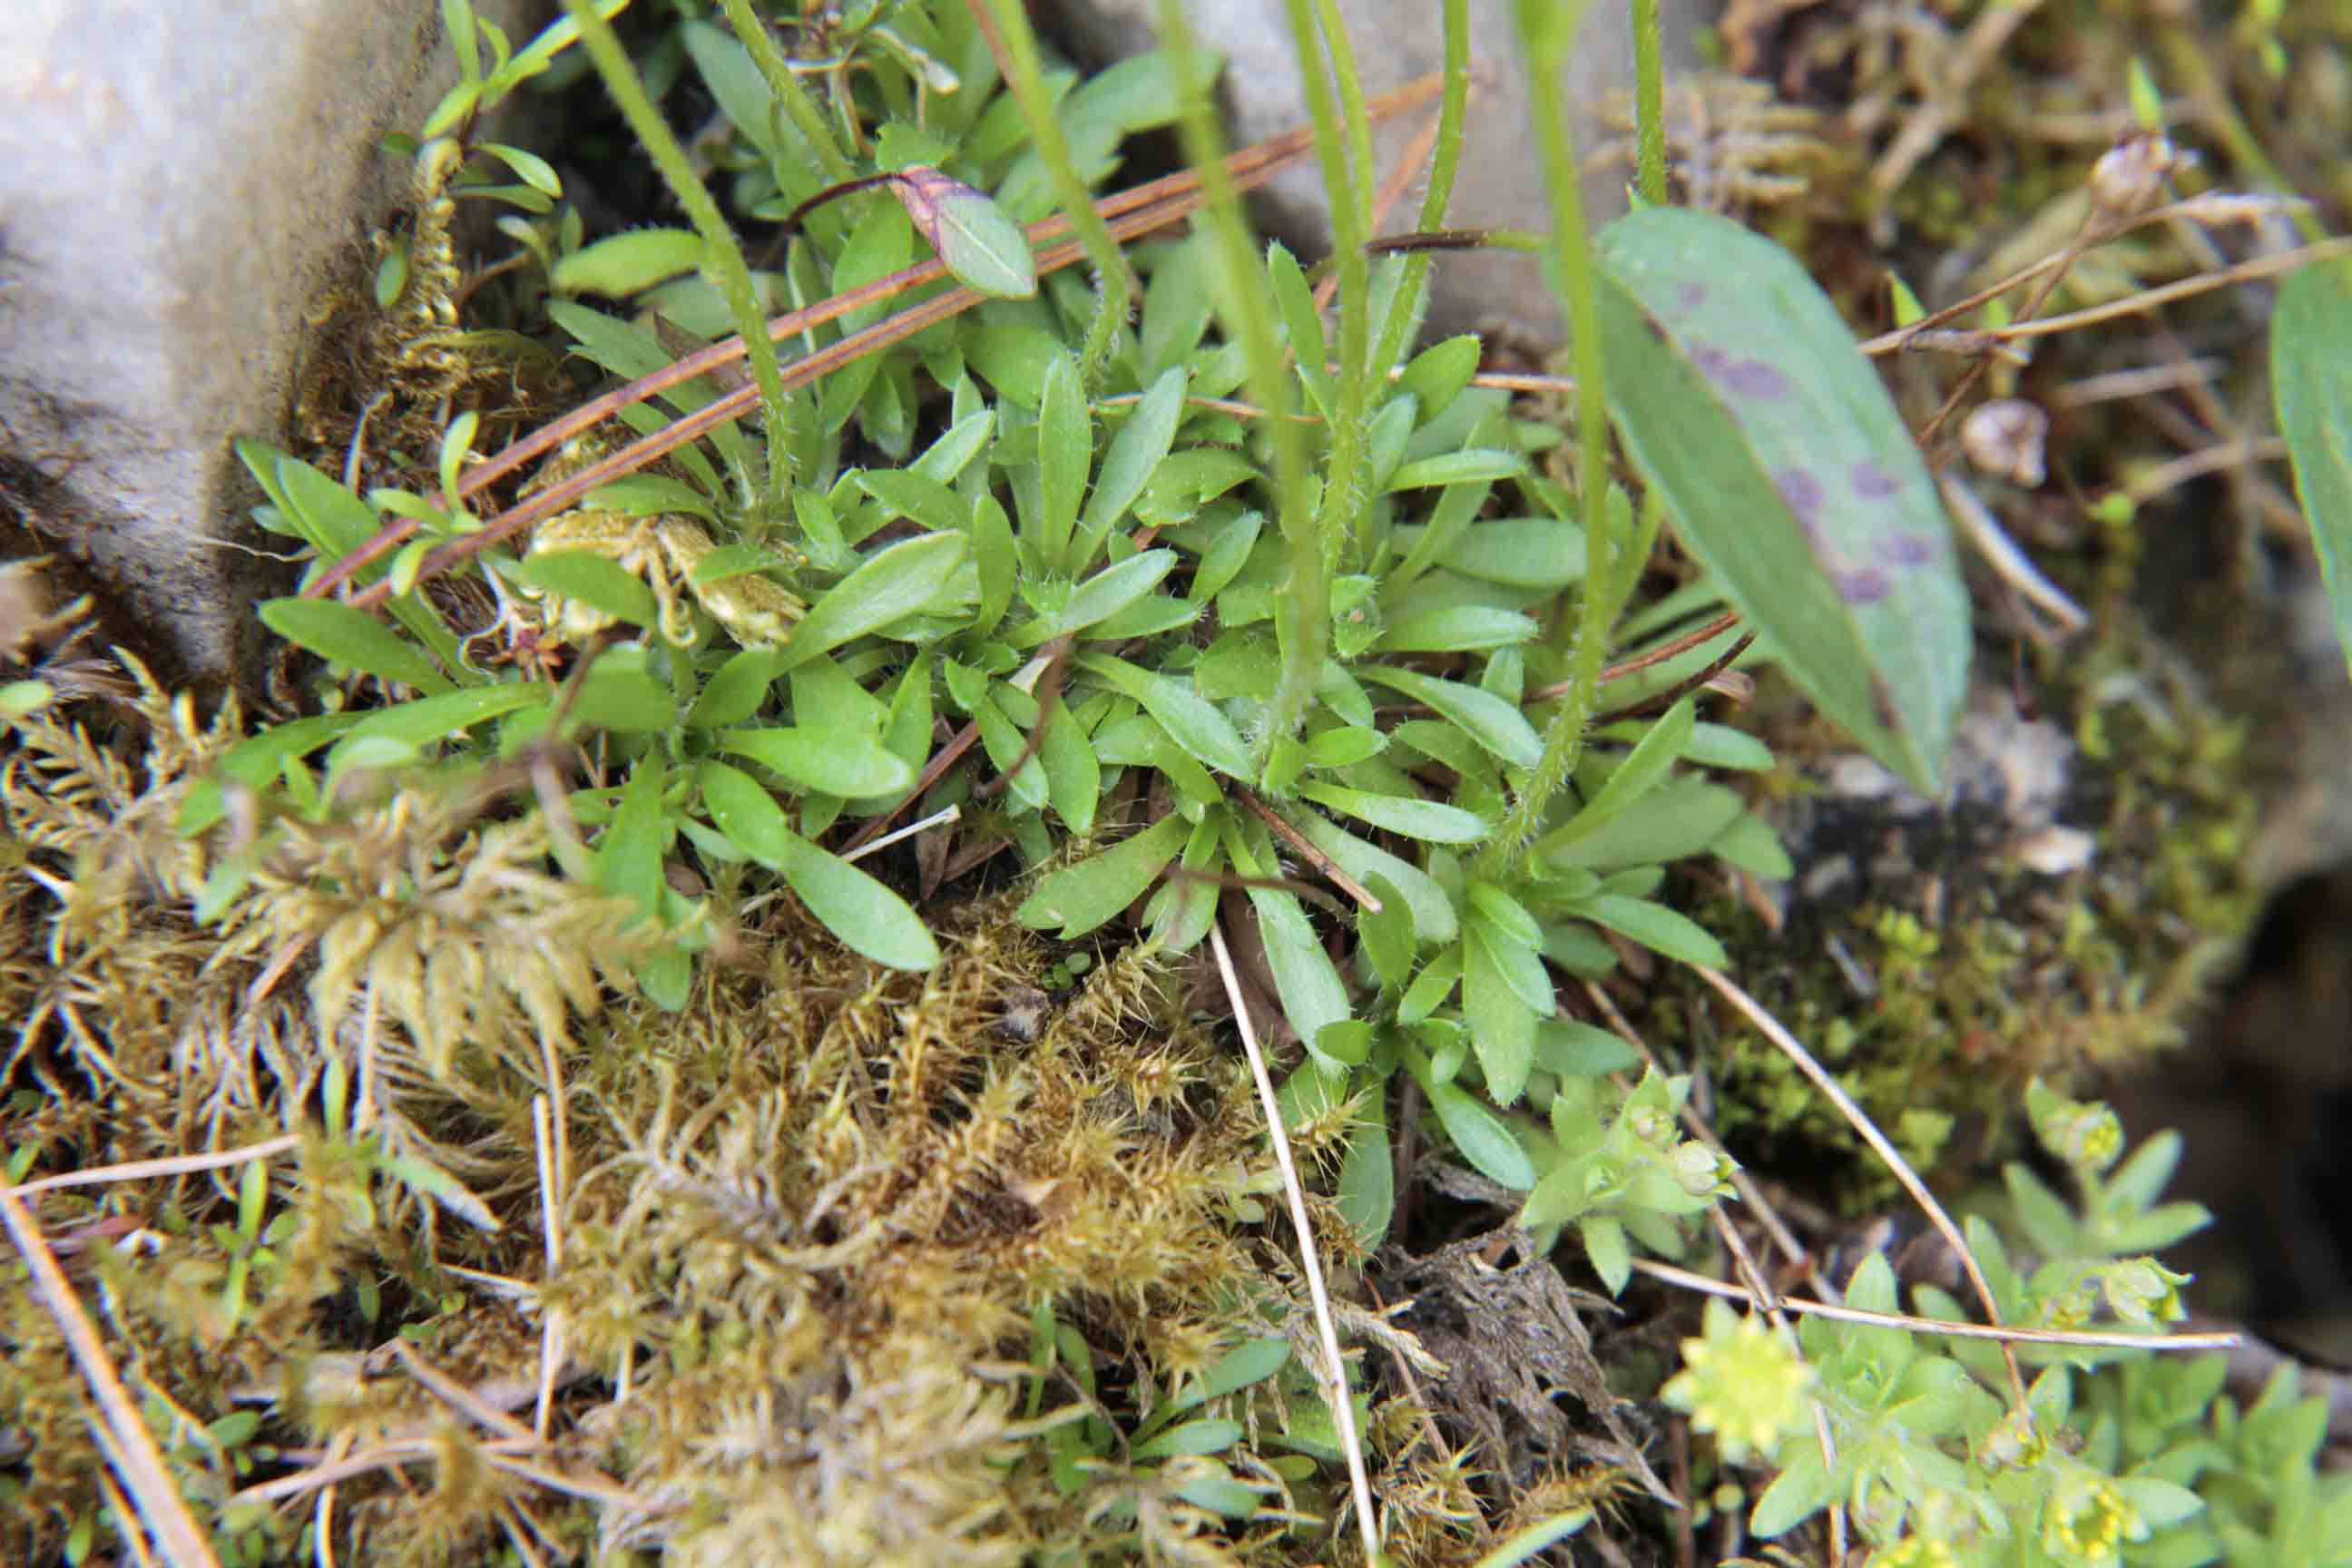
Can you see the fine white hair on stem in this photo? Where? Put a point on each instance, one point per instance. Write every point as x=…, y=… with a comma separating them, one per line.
x=1774, y=1031
x=1343, y=1410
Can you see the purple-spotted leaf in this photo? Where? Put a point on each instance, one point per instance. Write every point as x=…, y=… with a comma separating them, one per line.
x=1789, y=474
x=985, y=250
x=2311, y=380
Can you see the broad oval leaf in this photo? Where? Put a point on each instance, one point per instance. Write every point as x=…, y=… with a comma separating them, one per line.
x=985, y=250
x=1790, y=475
x=2311, y=380
x=336, y=631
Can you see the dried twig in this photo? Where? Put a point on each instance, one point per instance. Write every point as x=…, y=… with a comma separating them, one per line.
x=1773, y=1030
x=129, y=1448
x=2087, y=1338
x=1343, y=1409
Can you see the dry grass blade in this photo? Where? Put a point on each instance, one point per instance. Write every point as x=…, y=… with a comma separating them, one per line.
x=1773, y=1030
x=178, y=1165
x=130, y=1446
x=2087, y=1338
x=1343, y=1409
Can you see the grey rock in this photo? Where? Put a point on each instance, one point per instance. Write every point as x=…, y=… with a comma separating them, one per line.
x=1501, y=182
x=179, y=185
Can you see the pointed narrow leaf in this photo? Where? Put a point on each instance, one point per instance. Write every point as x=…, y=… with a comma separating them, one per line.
x=1789, y=474
x=1655, y=926
x=1066, y=454
x=1485, y=717
x=335, y=630
x=1430, y=821
x=628, y=263
x=1483, y=1137
x=1643, y=766
x=866, y=916
x=2311, y=379
x=886, y=587
x=1081, y=897
x=1136, y=453
x=1194, y=722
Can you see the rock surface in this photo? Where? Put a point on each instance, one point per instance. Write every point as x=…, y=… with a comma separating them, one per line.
x=1501, y=182
x=179, y=185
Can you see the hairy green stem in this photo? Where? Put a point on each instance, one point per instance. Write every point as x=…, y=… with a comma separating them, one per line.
x=753, y=35
x=1446, y=160
x=1345, y=495
x=1245, y=303
x=1649, y=103
x=725, y=257
x=1114, y=282
x=1545, y=32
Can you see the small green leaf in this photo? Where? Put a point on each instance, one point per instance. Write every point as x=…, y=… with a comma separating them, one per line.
x=1194, y=722
x=1082, y=896
x=530, y=168
x=823, y=759
x=983, y=248
x=1527, y=1544
x=1502, y=1025
x=649, y=495
x=1494, y=723
x=1427, y=820
x=1484, y=1140
x=2311, y=381
x=866, y=916
x=629, y=851
x=594, y=579
x=1464, y=466
x=887, y=586
x=1655, y=926
x=1457, y=628
x=629, y=263
x=1135, y=455
x=1568, y=1048
x=350, y=637
x=1605, y=1245
x=622, y=698
x=1106, y=593
x=1191, y=1437
x=1300, y=322
x=1065, y=456
x=1439, y=373
x=1642, y=770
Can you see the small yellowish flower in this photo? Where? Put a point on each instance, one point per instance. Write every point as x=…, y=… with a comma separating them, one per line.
x=1741, y=1381
x=1915, y=1552
x=2089, y=1522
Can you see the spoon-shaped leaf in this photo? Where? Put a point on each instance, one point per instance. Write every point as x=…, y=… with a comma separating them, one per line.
x=1788, y=472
